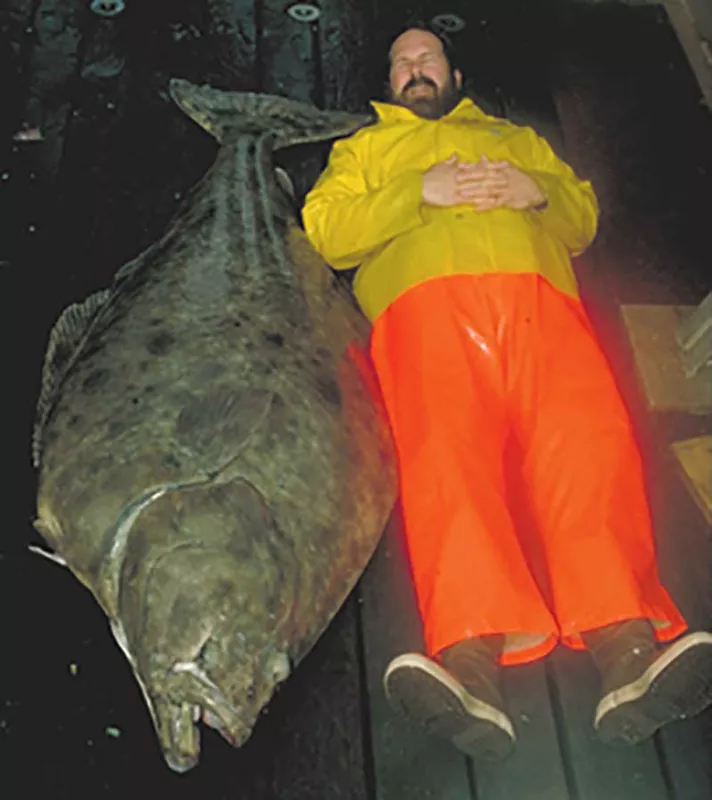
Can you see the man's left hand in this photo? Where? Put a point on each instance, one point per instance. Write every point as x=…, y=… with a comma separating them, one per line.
x=508, y=187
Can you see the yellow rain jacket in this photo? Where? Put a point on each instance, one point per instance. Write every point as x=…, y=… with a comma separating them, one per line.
x=366, y=209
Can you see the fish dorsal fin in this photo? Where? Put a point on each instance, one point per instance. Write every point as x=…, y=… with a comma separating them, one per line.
x=65, y=340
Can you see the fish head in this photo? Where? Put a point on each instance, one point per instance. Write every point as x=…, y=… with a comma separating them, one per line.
x=205, y=615
x=227, y=693
x=227, y=115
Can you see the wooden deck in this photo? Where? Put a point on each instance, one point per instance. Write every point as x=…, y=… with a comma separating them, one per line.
x=557, y=756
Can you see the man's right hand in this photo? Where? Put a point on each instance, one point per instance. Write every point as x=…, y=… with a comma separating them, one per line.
x=453, y=182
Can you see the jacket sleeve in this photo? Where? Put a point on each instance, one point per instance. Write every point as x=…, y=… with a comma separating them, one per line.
x=571, y=214
x=345, y=220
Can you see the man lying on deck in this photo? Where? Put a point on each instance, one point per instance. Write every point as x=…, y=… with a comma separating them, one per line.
x=462, y=226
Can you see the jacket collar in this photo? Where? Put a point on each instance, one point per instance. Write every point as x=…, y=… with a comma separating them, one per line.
x=390, y=112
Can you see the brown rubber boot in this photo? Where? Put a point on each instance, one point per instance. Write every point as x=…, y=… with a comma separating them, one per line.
x=459, y=701
x=643, y=686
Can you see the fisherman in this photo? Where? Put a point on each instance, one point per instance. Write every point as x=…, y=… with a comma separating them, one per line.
x=462, y=226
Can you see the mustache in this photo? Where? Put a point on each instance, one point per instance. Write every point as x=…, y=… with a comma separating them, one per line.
x=420, y=81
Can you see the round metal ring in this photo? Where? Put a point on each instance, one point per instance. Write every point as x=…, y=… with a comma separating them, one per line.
x=107, y=8
x=448, y=23
x=304, y=12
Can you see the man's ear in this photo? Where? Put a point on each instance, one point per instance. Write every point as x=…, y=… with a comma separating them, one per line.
x=458, y=78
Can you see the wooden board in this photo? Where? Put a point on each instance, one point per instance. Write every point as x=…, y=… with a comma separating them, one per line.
x=694, y=336
x=694, y=457
x=694, y=327
x=406, y=763
x=686, y=750
x=536, y=769
x=688, y=26
x=552, y=703
x=596, y=770
x=659, y=360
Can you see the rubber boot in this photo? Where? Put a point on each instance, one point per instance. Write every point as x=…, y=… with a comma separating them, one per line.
x=643, y=686
x=458, y=699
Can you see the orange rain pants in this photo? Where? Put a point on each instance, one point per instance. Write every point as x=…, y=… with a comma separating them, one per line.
x=468, y=363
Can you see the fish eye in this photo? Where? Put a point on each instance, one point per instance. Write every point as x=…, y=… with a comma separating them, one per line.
x=279, y=667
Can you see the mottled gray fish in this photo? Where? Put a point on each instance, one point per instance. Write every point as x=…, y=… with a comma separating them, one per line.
x=213, y=459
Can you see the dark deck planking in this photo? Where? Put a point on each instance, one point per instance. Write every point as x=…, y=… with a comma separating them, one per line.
x=551, y=702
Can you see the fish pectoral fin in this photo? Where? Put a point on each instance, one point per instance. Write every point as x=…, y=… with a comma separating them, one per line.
x=216, y=425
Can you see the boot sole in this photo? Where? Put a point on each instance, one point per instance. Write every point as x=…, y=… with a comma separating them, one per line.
x=676, y=686
x=426, y=695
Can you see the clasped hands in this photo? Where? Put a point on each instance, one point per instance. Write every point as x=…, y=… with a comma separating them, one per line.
x=483, y=184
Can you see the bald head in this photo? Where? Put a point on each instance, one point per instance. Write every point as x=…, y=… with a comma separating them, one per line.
x=421, y=77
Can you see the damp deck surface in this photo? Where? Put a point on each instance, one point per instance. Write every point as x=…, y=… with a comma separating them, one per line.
x=551, y=702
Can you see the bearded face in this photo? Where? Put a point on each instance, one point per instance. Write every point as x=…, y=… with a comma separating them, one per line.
x=422, y=95
x=421, y=77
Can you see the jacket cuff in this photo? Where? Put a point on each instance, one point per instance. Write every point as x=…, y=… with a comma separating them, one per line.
x=570, y=212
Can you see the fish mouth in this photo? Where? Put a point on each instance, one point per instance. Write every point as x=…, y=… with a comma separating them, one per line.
x=180, y=766
x=177, y=728
x=180, y=737
x=181, y=741
x=177, y=723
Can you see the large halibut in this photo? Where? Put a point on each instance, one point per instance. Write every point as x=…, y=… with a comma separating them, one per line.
x=214, y=461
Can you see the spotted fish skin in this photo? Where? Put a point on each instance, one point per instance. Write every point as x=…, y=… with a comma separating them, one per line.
x=214, y=462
